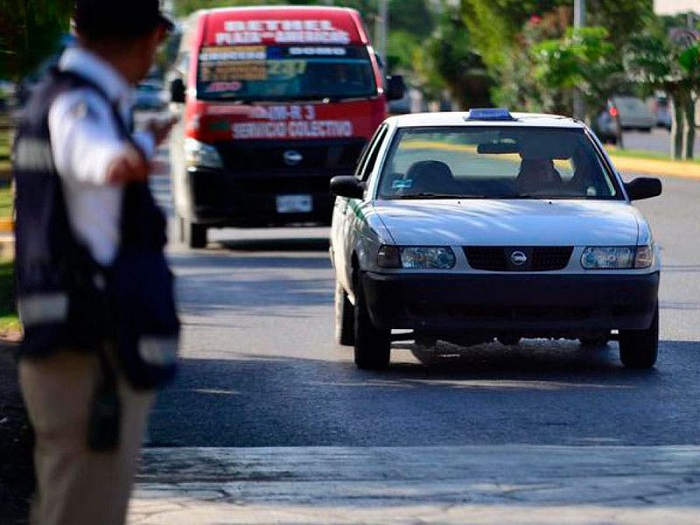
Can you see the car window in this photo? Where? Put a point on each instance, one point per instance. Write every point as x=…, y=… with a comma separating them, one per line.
x=366, y=164
x=491, y=162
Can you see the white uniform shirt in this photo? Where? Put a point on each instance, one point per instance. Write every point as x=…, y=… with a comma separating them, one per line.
x=84, y=140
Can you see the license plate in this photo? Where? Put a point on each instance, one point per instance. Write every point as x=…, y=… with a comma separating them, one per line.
x=294, y=203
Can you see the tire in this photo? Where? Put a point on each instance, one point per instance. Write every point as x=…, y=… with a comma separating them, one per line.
x=640, y=348
x=181, y=236
x=372, y=344
x=196, y=235
x=344, y=317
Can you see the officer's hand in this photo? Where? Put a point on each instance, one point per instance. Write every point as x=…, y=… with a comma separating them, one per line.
x=129, y=166
x=160, y=128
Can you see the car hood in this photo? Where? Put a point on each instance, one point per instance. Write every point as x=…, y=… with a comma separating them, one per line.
x=510, y=222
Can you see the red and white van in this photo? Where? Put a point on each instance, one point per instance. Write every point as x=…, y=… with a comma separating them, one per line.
x=275, y=101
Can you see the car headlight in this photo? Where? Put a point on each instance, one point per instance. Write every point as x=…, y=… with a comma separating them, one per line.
x=199, y=154
x=617, y=257
x=416, y=257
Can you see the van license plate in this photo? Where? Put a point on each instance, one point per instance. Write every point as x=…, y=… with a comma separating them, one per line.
x=294, y=203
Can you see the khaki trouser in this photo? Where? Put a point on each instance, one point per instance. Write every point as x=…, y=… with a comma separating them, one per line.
x=76, y=486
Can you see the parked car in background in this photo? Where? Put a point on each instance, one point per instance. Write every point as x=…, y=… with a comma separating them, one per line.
x=150, y=95
x=631, y=113
x=606, y=126
x=467, y=227
x=662, y=110
x=622, y=113
x=411, y=102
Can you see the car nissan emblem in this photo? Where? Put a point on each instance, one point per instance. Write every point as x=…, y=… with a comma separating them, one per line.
x=518, y=258
x=292, y=158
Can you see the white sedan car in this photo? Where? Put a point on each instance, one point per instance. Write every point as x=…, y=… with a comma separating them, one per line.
x=470, y=227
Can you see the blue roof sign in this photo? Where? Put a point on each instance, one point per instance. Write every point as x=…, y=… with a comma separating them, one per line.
x=489, y=114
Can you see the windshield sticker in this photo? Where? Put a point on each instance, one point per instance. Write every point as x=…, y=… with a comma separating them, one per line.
x=318, y=51
x=281, y=32
x=219, y=87
x=230, y=53
x=286, y=68
x=402, y=184
x=227, y=71
x=291, y=122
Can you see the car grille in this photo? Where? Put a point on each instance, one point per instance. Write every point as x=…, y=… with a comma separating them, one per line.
x=527, y=259
x=336, y=157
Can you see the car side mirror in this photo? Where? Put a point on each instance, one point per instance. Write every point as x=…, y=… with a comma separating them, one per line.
x=395, y=87
x=643, y=188
x=347, y=186
x=177, y=90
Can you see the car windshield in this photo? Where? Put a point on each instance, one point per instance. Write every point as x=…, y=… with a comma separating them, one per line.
x=495, y=163
x=250, y=73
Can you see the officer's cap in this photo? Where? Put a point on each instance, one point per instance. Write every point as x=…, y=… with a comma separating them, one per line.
x=118, y=18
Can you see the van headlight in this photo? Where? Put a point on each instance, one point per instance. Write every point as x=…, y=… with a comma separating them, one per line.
x=416, y=257
x=201, y=155
x=617, y=257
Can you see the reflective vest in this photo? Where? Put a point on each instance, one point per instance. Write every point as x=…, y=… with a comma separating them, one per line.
x=63, y=294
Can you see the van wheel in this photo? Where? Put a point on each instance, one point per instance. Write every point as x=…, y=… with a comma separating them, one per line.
x=344, y=317
x=181, y=224
x=640, y=348
x=372, y=344
x=196, y=235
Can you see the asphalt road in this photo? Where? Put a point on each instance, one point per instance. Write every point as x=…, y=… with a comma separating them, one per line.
x=260, y=367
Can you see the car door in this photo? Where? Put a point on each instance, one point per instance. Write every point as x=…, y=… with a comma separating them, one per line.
x=343, y=229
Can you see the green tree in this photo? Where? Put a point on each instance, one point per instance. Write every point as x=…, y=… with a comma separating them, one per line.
x=414, y=17
x=29, y=32
x=584, y=59
x=495, y=24
x=503, y=31
x=450, y=59
x=185, y=7
x=655, y=60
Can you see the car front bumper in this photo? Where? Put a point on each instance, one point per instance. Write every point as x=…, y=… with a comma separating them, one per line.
x=534, y=305
x=221, y=198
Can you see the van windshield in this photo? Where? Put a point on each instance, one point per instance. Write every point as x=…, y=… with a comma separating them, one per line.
x=294, y=72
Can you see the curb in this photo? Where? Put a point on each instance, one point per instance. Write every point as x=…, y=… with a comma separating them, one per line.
x=510, y=484
x=659, y=168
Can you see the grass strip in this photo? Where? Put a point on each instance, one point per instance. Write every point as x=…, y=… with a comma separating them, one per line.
x=9, y=322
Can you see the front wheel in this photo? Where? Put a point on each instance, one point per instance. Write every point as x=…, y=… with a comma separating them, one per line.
x=344, y=317
x=196, y=234
x=640, y=348
x=372, y=344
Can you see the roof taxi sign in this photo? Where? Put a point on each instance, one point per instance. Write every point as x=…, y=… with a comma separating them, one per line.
x=280, y=32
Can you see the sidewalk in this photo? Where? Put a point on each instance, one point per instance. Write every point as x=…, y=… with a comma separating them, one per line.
x=498, y=485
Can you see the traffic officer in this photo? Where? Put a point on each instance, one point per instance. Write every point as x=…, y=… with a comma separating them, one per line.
x=76, y=163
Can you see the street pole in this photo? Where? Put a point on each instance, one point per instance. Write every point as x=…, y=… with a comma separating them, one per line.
x=382, y=29
x=579, y=22
x=579, y=13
